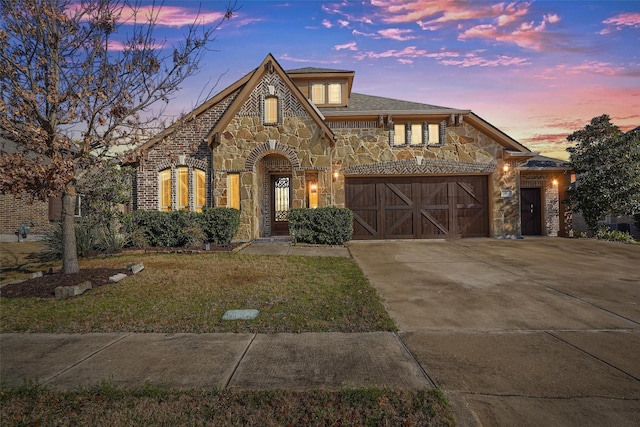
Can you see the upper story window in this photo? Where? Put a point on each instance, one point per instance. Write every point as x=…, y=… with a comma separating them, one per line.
x=326, y=93
x=189, y=188
x=271, y=110
x=335, y=93
x=418, y=133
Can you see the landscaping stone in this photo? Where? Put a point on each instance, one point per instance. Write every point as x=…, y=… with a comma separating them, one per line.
x=118, y=277
x=72, y=291
x=136, y=268
x=247, y=314
x=35, y=275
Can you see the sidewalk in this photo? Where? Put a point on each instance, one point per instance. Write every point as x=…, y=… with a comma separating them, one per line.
x=243, y=361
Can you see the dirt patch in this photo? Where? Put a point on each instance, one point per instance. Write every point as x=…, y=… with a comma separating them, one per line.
x=44, y=287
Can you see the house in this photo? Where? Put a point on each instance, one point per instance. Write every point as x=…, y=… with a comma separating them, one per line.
x=276, y=140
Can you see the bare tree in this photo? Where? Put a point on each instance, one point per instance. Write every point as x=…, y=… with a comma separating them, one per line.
x=77, y=78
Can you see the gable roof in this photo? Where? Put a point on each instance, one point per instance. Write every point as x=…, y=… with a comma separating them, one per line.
x=268, y=65
x=245, y=85
x=539, y=162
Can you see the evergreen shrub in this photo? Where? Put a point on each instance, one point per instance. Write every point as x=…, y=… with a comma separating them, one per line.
x=326, y=226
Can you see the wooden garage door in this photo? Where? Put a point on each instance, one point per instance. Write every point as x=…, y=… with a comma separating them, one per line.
x=418, y=207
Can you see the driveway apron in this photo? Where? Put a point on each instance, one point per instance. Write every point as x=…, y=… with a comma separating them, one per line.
x=540, y=331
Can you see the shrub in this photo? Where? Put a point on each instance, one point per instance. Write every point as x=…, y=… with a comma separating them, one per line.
x=219, y=224
x=327, y=226
x=165, y=229
x=604, y=233
x=183, y=228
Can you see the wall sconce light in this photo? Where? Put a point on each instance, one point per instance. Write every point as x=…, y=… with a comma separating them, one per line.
x=505, y=168
x=335, y=176
x=555, y=182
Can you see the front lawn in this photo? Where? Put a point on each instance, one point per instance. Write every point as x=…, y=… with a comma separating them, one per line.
x=191, y=292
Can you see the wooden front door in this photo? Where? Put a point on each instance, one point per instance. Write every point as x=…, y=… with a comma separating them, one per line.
x=280, y=195
x=531, y=211
x=418, y=207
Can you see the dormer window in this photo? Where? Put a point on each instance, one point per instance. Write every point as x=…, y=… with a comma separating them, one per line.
x=317, y=93
x=326, y=93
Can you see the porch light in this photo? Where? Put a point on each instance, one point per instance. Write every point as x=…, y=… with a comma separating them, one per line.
x=335, y=176
x=505, y=168
x=555, y=182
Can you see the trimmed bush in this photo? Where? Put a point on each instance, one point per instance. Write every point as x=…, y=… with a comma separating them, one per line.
x=166, y=229
x=326, y=226
x=183, y=228
x=219, y=224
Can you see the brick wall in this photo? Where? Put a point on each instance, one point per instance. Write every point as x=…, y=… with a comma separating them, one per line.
x=14, y=211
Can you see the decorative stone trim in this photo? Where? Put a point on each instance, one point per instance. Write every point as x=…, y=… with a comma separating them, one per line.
x=271, y=148
x=427, y=166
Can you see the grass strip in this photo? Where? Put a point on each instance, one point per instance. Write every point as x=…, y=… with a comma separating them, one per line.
x=107, y=405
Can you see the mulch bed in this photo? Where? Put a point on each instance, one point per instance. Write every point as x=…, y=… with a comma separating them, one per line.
x=44, y=287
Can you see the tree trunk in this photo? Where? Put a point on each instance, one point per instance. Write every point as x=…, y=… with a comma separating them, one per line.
x=69, y=250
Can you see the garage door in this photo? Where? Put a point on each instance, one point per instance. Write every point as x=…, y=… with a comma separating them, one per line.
x=418, y=207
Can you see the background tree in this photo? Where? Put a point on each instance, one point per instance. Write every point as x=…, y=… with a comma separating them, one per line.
x=607, y=164
x=77, y=78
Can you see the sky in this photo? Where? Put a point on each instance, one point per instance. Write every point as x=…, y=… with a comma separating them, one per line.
x=537, y=70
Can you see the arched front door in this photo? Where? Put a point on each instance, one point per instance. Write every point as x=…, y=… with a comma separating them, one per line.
x=280, y=203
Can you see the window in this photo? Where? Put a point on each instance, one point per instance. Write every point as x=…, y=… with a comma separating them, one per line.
x=189, y=189
x=183, y=189
x=201, y=189
x=416, y=134
x=335, y=93
x=271, y=110
x=434, y=134
x=233, y=190
x=165, y=190
x=399, y=137
x=317, y=93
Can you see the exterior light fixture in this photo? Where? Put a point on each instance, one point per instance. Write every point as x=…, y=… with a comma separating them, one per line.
x=505, y=168
x=335, y=176
x=555, y=182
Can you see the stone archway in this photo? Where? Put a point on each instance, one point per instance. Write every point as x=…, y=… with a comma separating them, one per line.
x=271, y=147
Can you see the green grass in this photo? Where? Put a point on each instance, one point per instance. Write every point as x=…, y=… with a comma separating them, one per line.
x=150, y=405
x=190, y=293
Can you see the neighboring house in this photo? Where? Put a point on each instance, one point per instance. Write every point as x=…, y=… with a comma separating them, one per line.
x=276, y=140
x=21, y=209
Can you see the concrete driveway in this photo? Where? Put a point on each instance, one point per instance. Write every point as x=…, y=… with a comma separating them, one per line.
x=533, y=332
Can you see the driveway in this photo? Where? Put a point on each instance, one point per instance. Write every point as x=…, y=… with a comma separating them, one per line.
x=539, y=331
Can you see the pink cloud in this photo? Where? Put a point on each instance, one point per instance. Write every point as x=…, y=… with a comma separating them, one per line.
x=624, y=20
x=326, y=23
x=476, y=61
x=527, y=35
x=171, y=16
x=348, y=46
x=396, y=34
x=404, y=56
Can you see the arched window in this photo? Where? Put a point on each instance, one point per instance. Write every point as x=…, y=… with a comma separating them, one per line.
x=187, y=186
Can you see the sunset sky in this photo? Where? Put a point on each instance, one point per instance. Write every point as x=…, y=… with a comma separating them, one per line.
x=537, y=70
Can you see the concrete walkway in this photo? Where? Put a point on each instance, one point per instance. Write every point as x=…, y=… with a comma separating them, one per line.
x=243, y=361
